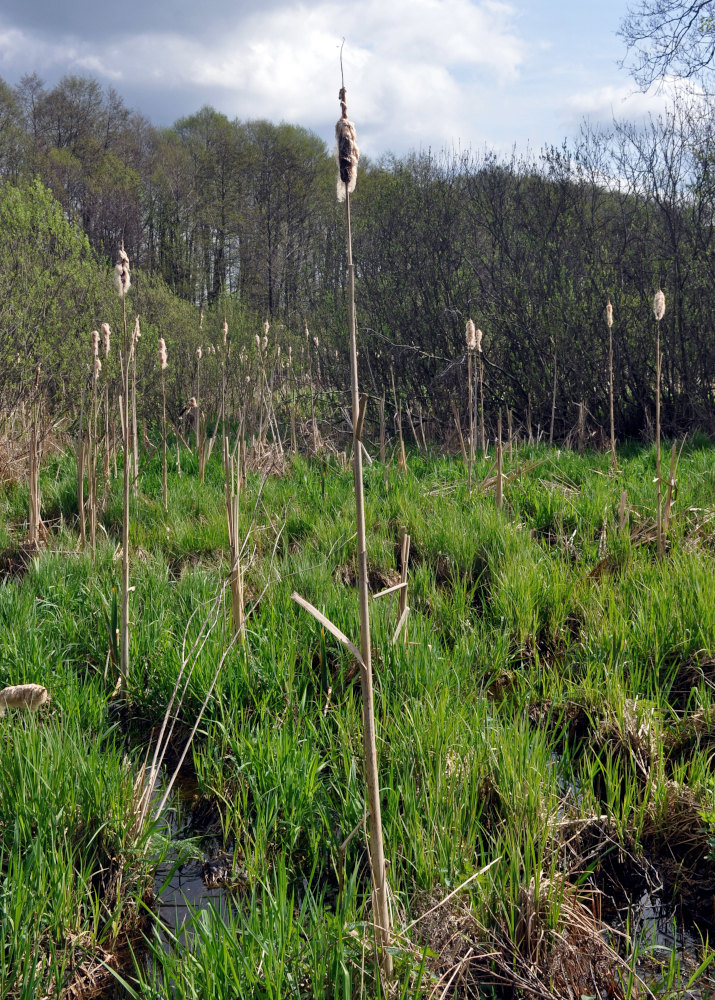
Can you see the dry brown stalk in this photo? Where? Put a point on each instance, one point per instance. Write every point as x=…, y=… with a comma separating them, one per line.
x=347, y=158
x=163, y=362
x=402, y=608
x=658, y=312
x=457, y=424
x=233, y=491
x=34, y=519
x=381, y=411
x=553, y=393
x=402, y=460
x=122, y=276
x=471, y=337
x=500, y=464
x=482, y=434
x=136, y=334
x=609, y=324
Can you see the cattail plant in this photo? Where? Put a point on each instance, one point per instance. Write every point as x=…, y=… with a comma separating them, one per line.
x=92, y=444
x=348, y=155
x=162, y=357
x=471, y=336
x=136, y=334
x=122, y=279
x=478, y=346
x=34, y=519
x=313, y=424
x=500, y=465
x=659, y=313
x=609, y=324
x=106, y=341
x=233, y=493
x=197, y=407
x=553, y=392
x=292, y=401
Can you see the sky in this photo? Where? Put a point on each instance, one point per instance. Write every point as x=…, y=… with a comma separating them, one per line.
x=420, y=74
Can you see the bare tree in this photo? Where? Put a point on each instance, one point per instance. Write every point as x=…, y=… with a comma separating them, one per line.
x=670, y=37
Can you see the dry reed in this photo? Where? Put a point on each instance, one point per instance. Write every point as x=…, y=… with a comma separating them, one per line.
x=348, y=155
x=659, y=313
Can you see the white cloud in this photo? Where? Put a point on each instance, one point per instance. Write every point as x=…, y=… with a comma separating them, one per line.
x=418, y=72
x=623, y=102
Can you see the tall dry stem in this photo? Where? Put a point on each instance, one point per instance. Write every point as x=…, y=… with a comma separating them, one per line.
x=500, y=465
x=471, y=336
x=658, y=312
x=347, y=159
x=123, y=283
x=609, y=324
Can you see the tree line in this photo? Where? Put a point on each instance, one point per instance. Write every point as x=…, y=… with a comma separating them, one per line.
x=239, y=218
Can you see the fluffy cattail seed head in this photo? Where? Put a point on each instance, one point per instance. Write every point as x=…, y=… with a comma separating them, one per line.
x=136, y=332
x=264, y=344
x=471, y=335
x=106, y=334
x=316, y=341
x=162, y=354
x=97, y=366
x=121, y=273
x=23, y=696
x=478, y=336
x=266, y=328
x=659, y=305
x=347, y=151
x=258, y=341
x=199, y=354
x=95, y=342
x=609, y=315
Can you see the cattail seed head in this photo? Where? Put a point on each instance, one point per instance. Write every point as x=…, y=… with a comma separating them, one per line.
x=609, y=315
x=162, y=354
x=471, y=335
x=121, y=273
x=97, y=367
x=199, y=353
x=225, y=332
x=106, y=334
x=136, y=332
x=347, y=152
x=659, y=305
x=316, y=341
x=266, y=328
x=95, y=342
x=25, y=696
x=264, y=344
x=258, y=341
x=478, y=339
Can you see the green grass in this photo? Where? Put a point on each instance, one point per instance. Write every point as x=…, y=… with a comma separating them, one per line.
x=556, y=687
